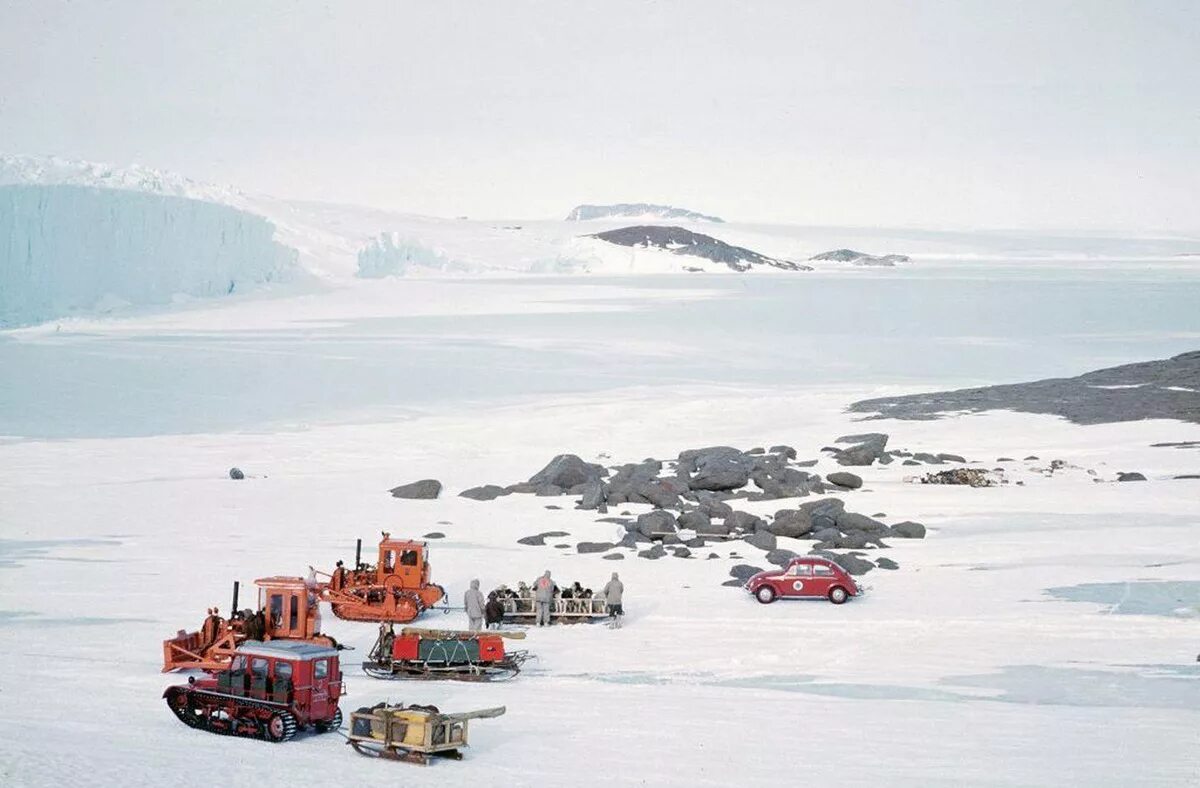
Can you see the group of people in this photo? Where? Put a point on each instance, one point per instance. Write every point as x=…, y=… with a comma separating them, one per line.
x=542, y=593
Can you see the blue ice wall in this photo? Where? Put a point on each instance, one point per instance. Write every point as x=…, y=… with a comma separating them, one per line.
x=67, y=250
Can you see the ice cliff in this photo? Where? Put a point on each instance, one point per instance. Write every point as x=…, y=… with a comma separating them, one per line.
x=70, y=249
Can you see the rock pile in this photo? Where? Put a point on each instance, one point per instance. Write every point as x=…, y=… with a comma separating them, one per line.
x=973, y=477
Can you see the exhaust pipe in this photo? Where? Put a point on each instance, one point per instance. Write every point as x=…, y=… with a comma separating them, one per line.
x=233, y=609
x=358, y=556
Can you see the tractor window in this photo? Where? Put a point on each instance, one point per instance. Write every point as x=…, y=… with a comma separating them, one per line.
x=801, y=570
x=320, y=668
x=276, y=610
x=239, y=662
x=389, y=560
x=294, y=615
x=283, y=670
x=258, y=667
x=822, y=570
x=408, y=558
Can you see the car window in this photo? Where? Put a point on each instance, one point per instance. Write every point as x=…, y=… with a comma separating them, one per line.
x=320, y=669
x=822, y=570
x=800, y=570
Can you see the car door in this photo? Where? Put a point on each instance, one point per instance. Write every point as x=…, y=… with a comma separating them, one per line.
x=796, y=580
x=823, y=578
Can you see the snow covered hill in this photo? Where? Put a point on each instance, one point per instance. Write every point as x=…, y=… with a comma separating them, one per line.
x=638, y=210
x=75, y=249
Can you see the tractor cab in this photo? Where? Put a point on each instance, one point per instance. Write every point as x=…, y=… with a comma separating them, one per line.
x=403, y=560
x=290, y=606
x=305, y=676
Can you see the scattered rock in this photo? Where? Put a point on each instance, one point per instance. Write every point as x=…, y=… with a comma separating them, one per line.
x=792, y=523
x=780, y=556
x=488, y=492
x=539, y=540
x=1005, y=459
x=594, y=496
x=434, y=535
x=1032, y=457
x=763, y=540
x=594, y=547
x=568, y=470
x=742, y=521
x=849, y=481
x=656, y=523
x=886, y=563
x=951, y=458
x=852, y=563
x=744, y=572
x=867, y=448
x=553, y=506
x=786, y=451
x=614, y=557
x=655, y=552
x=908, y=530
x=681, y=552
x=236, y=473
x=425, y=489
x=1130, y=476
x=547, y=490
x=850, y=521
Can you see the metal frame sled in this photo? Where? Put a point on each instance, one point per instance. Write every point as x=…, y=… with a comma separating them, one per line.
x=443, y=654
x=414, y=734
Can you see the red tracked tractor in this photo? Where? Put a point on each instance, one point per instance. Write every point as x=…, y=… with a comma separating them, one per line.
x=396, y=589
x=288, y=611
x=269, y=691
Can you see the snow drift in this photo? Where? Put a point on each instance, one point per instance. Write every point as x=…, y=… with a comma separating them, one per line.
x=67, y=249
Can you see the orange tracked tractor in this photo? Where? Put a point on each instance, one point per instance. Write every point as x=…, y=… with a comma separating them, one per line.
x=395, y=589
x=287, y=610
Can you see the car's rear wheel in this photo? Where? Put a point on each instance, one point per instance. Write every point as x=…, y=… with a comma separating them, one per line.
x=838, y=595
x=765, y=595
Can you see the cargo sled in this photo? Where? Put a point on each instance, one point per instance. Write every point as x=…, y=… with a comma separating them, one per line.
x=415, y=734
x=443, y=654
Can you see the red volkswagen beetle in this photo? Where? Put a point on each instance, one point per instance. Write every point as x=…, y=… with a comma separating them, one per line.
x=808, y=577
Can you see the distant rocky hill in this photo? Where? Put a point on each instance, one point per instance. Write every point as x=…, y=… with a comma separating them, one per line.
x=677, y=240
x=1162, y=389
x=637, y=210
x=860, y=258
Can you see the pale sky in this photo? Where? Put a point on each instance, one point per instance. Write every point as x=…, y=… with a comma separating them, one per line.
x=993, y=114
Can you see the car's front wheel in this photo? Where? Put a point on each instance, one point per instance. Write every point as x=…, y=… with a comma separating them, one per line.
x=765, y=594
x=838, y=595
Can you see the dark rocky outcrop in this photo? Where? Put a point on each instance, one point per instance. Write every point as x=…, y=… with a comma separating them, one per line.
x=566, y=471
x=1160, y=389
x=633, y=210
x=860, y=258
x=681, y=241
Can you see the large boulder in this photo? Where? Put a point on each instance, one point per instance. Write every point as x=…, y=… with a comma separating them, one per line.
x=780, y=556
x=908, y=530
x=763, y=540
x=567, y=470
x=826, y=535
x=711, y=504
x=781, y=482
x=594, y=496
x=661, y=493
x=785, y=450
x=852, y=563
x=696, y=521
x=487, y=492
x=844, y=479
x=655, y=523
x=716, y=468
x=864, y=448
x=824, y=512
x=742, y=521
x=424, y=489
x=850, y=521
x=792, y=523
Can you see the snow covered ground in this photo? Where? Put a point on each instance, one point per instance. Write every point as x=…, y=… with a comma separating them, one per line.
x=959, y=668
x=1042, y=633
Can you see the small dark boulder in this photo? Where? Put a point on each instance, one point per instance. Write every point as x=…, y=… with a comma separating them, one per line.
x=852, y=563
x=236, y=473
x=780, y=556
x=594, y=496
x=851, y=521
x=614, y=557
x=488, y=492
x=425, y=489
x=849, y=481
x=696, y=521
x=951, y=457
x=594, y=547
x=763, y=540
x=655, y=552
x=792, y=523
x=886, y=563
x=744, y=572
x=742, y=521
x=1130, y=476
x=657, y=522
x=908, y=530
